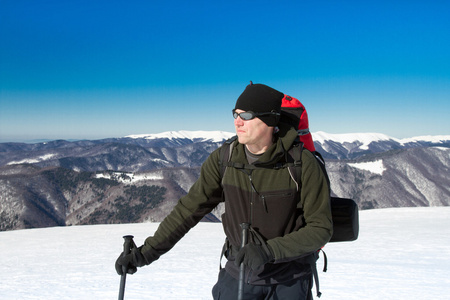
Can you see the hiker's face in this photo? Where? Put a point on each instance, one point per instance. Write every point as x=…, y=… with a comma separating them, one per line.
x=254, y=133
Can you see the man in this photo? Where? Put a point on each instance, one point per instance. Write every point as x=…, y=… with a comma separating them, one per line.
x=288, y=220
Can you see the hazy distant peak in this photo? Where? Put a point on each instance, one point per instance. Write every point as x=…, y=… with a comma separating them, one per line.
x=367, y=138
x=364, y=138
x=213, y=136
x=426, y=138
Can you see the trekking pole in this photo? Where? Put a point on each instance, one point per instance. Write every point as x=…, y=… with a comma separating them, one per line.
x=244, y=240
x=126, y=250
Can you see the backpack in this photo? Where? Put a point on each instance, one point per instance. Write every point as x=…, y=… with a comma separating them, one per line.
x=344, y=211
x=293, y=112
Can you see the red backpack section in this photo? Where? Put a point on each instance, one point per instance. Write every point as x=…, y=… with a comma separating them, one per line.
x=294, y=113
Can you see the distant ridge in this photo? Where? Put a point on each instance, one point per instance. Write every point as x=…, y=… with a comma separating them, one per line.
x=212, y=136
x=319, y=136
x=367, y=138
x=219, y=136
x=363, y=139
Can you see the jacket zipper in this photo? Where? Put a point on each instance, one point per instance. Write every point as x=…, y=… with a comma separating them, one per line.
x=262, y=197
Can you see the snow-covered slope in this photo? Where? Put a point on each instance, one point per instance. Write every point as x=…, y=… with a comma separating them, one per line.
x=401, y=253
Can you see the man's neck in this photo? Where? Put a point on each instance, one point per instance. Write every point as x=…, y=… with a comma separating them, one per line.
x=258, y=149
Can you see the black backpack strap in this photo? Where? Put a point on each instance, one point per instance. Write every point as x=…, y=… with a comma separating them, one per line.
x=325, y=260
x=315, y=274
x=295, y=168
x=295, y=154
x=321, y=162
x=314, y=269
x=225, y=154
x=225, y=251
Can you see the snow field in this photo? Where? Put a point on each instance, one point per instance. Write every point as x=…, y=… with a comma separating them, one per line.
x=401, y=253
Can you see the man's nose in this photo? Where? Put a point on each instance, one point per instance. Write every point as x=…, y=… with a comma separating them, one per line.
x=238, y=121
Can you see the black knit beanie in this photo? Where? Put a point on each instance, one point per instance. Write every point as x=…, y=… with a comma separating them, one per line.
x=260, y=98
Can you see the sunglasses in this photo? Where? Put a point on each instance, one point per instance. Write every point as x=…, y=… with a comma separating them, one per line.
x=249, y=115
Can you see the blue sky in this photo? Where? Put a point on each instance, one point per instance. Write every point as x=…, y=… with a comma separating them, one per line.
x=96, y=69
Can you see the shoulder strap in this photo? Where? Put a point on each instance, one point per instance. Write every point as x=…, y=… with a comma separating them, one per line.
x=321, y=161
x=225, y=153
x=295, y=170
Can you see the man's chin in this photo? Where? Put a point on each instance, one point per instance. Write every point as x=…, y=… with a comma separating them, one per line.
x=241, y=139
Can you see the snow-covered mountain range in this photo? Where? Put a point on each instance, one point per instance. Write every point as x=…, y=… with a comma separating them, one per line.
x=140, y=177
x=333, y=146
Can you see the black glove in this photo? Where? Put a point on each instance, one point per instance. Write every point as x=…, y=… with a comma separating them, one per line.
x=254, y=255
x=132, y=260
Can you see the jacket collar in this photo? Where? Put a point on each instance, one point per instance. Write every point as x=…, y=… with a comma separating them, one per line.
x=284, y=139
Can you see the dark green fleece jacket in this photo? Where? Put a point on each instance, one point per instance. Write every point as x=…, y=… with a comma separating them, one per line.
x=294, y=221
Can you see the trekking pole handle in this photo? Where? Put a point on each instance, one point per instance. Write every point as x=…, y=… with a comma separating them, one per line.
x=128, y=241
x=244, y=240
